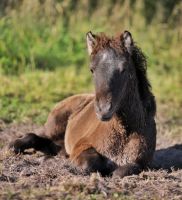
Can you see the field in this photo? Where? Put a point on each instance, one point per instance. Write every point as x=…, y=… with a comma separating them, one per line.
x=43, y=59
x=35, y=176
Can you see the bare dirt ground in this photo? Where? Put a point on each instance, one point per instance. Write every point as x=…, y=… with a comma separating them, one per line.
x=35, y=176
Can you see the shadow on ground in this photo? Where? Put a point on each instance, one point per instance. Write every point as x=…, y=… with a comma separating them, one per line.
x=168, y=158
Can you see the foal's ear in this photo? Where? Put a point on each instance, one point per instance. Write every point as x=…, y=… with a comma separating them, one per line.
x=91, y=40
x=127, y=40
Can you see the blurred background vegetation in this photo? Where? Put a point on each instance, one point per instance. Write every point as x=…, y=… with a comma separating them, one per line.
x=43, y=56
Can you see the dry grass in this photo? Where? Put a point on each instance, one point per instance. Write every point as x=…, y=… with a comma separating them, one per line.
x=34, y=176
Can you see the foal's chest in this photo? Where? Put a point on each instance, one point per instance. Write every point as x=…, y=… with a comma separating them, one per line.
x=107, y=138
x=81, y=126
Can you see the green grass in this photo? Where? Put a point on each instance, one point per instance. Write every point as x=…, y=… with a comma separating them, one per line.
x=31, y=95
x=43, y=56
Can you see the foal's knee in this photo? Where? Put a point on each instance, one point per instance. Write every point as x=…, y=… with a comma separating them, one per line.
x=91, y=161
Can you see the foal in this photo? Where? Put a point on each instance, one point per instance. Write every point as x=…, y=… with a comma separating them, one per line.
x=113, y=130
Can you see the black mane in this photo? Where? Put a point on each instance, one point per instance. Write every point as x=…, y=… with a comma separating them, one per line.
x=144, y=86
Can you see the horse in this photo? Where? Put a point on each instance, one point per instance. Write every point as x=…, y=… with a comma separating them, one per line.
x=112, y=131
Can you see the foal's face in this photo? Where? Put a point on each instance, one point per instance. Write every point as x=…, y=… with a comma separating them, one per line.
x=110, y=71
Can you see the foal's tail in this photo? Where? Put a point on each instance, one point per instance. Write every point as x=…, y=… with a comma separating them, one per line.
x=39, y=143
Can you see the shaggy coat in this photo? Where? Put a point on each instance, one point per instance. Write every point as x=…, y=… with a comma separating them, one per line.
x=113, y=129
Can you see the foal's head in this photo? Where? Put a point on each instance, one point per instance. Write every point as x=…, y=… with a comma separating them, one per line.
x=111, y=65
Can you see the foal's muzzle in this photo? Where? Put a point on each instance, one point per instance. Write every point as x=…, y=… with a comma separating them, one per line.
x=104, y=111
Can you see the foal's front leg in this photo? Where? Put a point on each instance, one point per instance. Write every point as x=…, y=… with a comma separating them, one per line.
x=91, y=161
x=127, y=170
x=135, y=155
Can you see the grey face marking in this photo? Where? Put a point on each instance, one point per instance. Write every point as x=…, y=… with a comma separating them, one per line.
x=108, y=68
x=104, y=56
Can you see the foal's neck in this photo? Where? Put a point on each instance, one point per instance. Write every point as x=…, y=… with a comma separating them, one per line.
x=131, y=111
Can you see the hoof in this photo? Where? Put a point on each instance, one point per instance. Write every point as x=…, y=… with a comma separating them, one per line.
x=127, y=170
x=16, y=146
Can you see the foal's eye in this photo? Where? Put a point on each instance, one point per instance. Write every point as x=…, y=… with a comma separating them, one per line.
x=92, y=71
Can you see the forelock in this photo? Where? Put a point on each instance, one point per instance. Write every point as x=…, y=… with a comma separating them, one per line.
x=105, y=42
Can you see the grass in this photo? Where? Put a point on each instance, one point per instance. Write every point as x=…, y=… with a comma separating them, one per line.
x=35, y=176
x=31, y=95
x=43, y=59
x=43, y=56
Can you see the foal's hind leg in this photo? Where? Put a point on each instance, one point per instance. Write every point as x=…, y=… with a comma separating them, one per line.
x=91, y=161
x=51, y=139
x=53, y=131
x=32, y=140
